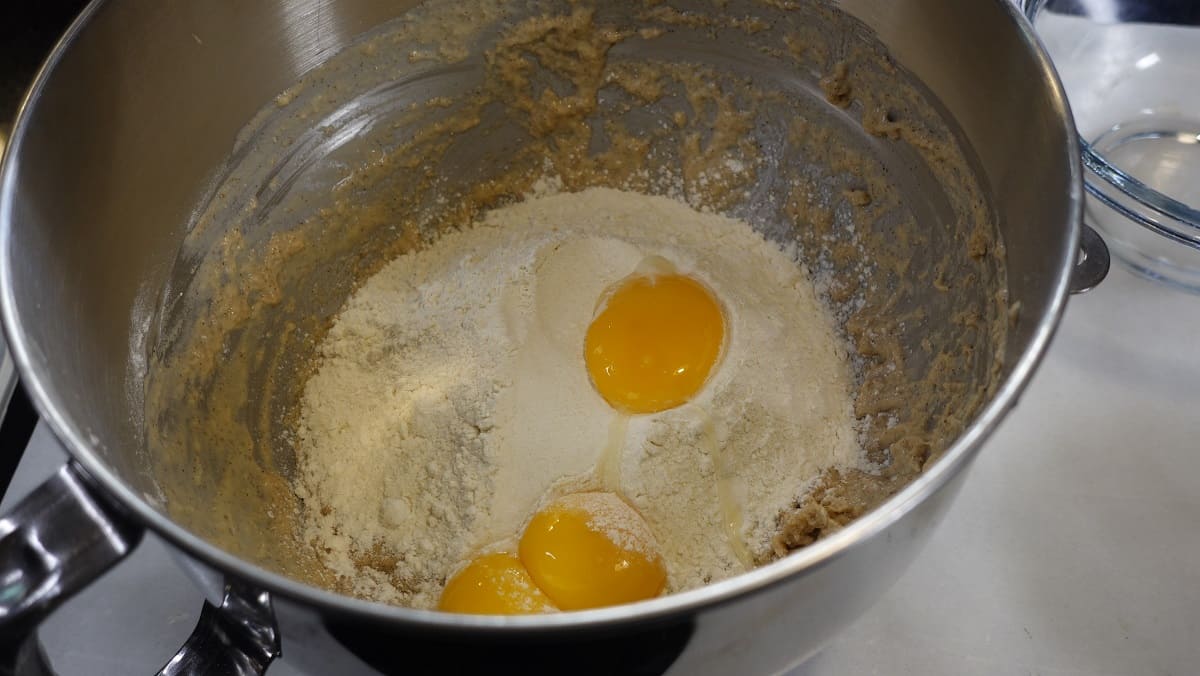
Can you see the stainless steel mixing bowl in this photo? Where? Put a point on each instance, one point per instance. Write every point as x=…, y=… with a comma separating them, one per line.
x=128, y=124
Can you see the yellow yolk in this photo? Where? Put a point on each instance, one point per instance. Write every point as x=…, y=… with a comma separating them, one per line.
x=588, y=550
x=494, y=584
x=654, y=342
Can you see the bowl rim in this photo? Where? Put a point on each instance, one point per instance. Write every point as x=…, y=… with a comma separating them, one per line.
x=1159, y=210
x=822, y=553
x=1154, y=203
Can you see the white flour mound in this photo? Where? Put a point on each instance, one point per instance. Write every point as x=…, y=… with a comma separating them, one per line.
x=452, y=399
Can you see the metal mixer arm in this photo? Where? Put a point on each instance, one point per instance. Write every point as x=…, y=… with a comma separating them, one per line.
x=63, y=536
x=53, y=544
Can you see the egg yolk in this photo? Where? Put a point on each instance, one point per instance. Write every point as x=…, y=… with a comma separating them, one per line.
x=588, y=550
x=654, y=342
x=494, y=584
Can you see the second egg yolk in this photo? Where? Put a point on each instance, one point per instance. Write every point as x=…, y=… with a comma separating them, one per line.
x=494, y=584
x=589, y=550
x=654, y=342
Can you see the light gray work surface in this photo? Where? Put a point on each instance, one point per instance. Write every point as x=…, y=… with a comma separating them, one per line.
x=1073, y=549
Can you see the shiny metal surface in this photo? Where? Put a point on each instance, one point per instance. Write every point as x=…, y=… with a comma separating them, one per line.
x=238, y=638
x=8, y=374
x=55, y=542
x=91, y=215
x=1094, y=261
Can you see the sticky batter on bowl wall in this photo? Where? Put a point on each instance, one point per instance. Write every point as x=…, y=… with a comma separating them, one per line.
x=451, y=396
x=880, y=199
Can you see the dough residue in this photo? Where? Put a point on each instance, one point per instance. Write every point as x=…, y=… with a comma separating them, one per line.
x=799, y=124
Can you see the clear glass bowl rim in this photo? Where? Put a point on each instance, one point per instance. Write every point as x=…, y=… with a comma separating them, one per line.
x=1160, y=213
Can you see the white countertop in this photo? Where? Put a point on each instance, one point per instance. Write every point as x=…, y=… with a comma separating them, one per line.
x=1073, y=548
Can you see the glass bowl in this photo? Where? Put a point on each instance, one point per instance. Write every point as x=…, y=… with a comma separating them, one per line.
x=1131, y=70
